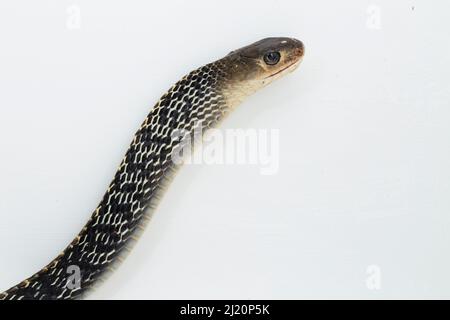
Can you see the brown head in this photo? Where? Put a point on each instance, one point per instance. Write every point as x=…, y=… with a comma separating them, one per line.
x=256, y=65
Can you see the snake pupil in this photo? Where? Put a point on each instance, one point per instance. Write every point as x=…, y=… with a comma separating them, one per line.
x=272, y=57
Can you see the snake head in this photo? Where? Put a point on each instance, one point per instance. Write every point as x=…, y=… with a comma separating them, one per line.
x=258, y=64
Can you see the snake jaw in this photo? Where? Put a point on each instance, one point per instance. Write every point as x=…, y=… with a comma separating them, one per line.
x=288, y=69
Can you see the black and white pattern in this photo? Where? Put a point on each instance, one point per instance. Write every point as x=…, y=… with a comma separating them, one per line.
x=198, y=101
x=125, y=207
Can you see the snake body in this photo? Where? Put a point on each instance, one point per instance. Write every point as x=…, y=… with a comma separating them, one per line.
x=200, y=99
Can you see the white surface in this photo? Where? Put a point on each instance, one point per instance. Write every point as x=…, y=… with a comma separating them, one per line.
x=364, y=126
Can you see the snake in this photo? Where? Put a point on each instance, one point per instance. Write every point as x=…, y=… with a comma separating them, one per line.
x=201, y=99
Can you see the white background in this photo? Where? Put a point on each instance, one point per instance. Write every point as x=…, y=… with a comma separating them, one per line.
x=363, y=188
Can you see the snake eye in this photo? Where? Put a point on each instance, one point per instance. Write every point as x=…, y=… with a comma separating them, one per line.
x=272, y=57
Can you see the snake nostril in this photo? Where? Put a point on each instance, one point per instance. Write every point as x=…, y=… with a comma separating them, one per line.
x=300, y=48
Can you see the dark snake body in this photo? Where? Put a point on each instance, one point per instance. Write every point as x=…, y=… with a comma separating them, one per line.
x=125, y=207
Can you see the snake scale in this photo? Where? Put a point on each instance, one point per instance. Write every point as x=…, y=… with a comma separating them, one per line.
x=201, y=98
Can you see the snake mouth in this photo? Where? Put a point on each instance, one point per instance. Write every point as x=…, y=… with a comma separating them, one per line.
x=290, y=67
